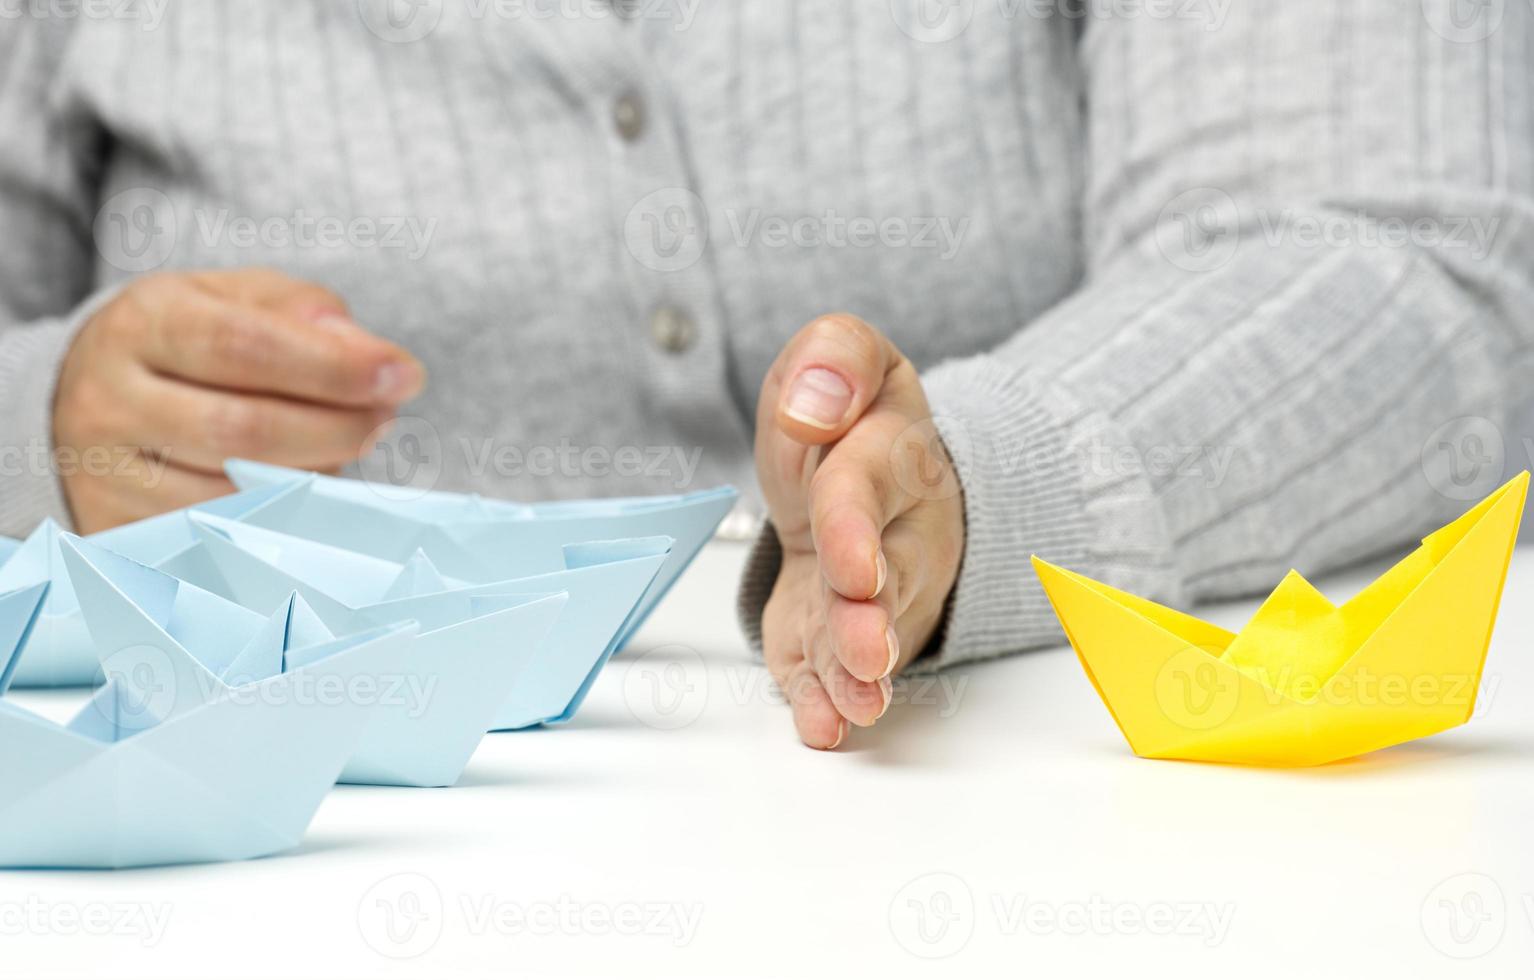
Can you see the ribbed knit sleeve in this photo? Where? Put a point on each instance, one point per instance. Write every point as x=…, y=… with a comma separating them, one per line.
x=1311, y=260
x=46, y=166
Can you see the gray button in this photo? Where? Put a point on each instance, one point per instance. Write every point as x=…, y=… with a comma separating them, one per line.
x=673, y=331
x=629, y=116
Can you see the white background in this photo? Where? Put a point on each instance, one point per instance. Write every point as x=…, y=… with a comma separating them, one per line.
x=998, y=827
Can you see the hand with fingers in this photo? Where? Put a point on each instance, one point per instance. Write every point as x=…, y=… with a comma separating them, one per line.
x=181, y=371
x=869, y=513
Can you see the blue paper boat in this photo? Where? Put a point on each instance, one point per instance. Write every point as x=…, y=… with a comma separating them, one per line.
x=476, y=539
x=459, y=668
x=127, y=783
x=59, y=652
x=255, y=566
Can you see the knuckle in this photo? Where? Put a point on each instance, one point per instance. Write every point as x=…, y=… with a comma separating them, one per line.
x=842, y=484
x=238, y=337
x=122, y=320
x=849, y=333
x=308, y=295
x=344, y=369
x=236, y=427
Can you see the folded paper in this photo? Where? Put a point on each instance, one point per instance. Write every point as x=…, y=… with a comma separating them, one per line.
x=476, y=539
x=132, y=780
x=59, y=652
x=1305, y=682
x=604, y=580
x=459, y=667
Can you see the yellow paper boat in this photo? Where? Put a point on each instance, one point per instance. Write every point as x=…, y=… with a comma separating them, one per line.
x=1305, y=682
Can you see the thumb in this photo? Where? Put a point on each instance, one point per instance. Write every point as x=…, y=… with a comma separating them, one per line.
x=827, y=376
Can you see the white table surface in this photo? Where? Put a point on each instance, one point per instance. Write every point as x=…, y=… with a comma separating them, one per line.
x=689, y=835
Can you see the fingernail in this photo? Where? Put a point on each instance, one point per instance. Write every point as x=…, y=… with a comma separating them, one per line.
x=398, y=381
x=892, y=643
x=886, y=688
x=881, y=572
x=841, y=733
x=818, y=397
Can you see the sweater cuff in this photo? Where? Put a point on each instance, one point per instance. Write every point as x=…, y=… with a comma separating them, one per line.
x=30, y=357
x=756, y=583
x=1041, y=474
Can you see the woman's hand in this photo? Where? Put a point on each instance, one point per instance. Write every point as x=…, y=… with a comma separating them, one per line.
x=870, y=516
x=181, y=371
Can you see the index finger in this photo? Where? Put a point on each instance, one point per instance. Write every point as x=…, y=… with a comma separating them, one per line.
x=212, y=341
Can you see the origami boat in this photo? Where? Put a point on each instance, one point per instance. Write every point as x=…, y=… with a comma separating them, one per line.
x=59, y=651
x=233, y=777
x=604, y=580
x=1304, y=682
x=476, y=539
x=460, y=663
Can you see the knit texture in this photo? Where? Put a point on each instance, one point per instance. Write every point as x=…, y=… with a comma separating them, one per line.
x=1147, y=263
